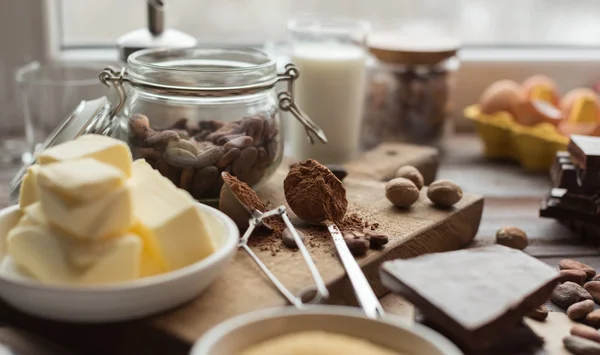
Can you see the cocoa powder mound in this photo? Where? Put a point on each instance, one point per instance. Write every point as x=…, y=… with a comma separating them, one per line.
x=248, y=197
x=314, y=193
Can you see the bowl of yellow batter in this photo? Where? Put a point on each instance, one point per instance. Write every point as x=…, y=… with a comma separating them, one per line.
x=320, y=330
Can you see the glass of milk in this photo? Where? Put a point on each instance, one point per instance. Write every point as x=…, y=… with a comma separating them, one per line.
x=331, y=56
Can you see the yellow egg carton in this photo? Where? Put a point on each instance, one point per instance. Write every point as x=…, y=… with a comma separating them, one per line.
x=533, y=147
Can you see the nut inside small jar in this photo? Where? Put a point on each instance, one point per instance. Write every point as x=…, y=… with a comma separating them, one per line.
x=193, y=154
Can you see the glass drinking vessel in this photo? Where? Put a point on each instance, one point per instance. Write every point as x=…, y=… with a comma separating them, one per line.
x=50, y=91
x=331, y=56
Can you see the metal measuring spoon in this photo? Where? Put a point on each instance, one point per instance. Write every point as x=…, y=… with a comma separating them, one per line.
x=305, y=209
x=231, y=204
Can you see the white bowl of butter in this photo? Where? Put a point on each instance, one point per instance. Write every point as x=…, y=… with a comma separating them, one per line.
x=320, y=330
x=97, y=237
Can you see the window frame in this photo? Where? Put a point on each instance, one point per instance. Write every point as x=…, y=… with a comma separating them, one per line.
x=480, y=66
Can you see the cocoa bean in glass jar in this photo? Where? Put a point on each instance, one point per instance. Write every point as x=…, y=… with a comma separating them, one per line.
x=193, y=113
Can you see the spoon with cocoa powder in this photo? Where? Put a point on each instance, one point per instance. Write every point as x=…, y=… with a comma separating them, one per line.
x=240, y=203
x=318, y=197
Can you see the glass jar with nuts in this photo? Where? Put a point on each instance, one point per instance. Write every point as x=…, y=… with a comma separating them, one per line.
x=194, y=113
x=409, y=86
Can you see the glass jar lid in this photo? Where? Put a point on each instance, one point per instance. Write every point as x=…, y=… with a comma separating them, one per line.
x=201, y=71
x=396, y=48
x=89, y=117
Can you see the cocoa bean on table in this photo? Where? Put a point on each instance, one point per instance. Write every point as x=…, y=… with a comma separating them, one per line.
x=581, y=346
x=573, y=275
x=584, y=331
x=540, y=313
x=568, y=264
x=564, y=295
x=580, y=309
x=593, y=287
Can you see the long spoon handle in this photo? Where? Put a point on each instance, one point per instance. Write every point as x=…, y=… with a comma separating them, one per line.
x=362, y=289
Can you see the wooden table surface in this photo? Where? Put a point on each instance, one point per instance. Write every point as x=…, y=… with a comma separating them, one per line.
x=512, y=197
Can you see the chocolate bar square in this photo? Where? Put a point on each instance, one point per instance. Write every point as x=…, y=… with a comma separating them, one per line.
x=587, y=204
x=585, y=152
x=550, y=208
x=474, y=295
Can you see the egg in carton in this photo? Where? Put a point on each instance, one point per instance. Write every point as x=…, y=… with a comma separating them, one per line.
x=529, y=123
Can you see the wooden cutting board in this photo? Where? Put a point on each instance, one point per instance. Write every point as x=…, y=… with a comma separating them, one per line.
x=243, y=288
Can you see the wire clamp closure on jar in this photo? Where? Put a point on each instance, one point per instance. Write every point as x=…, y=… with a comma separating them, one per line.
x=256, y=220
x=116, y=78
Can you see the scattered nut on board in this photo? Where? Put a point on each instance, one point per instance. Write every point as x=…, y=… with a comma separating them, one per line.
x=358, y=245
x=288, y=239
x=411, y=173
x=444, y=193
x=512, y=237
x=401, y=192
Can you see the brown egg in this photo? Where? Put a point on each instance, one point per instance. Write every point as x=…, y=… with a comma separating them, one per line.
x=503, y=95
x=587, y=129
x=567, y=101
x=533, y=112
x=531, y=83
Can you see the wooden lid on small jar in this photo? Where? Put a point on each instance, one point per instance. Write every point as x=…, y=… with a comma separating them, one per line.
x=397, y=48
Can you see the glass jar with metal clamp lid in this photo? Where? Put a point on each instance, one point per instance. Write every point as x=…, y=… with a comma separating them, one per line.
x=193, y=113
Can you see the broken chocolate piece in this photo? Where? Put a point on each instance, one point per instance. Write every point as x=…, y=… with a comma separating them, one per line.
x=474, y=295
x=585, y=151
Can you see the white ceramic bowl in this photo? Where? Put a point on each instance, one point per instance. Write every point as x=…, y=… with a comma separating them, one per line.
x=122, y=301
x=237, y=334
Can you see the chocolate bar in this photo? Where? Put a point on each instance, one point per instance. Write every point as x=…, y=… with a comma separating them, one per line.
x=587, y=204
x=585, y=152
x=474, y=295
x=563, y=173
x=550, y=209
x=566, y=175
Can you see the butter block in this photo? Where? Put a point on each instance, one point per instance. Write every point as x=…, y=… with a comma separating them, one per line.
x=105, y=149
x=109, y=215
x=585, y=110
x=78, y=181
x=33, y=216
x=43, y=255
x=169, y=222
x=40, y=254
x=29, y=192
x=121, y=262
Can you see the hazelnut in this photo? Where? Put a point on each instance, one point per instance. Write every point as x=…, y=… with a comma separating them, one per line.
x=444, y=193
x=401, y=192
x=512, y=237
x=411, y=173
